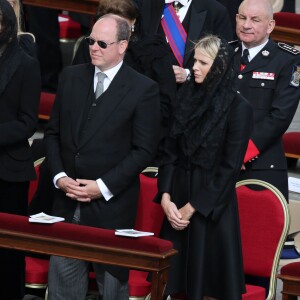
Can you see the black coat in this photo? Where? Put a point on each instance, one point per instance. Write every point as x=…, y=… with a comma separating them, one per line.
x=210, y=248
x=19, y=104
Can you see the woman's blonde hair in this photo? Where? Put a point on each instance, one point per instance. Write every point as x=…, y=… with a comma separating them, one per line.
x=17, y=9
x=210, y=45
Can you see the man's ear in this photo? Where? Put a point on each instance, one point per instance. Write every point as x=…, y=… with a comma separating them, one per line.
x=271, y=26
x=123, y=46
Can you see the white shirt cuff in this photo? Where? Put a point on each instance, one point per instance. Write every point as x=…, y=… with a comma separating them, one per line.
x=58, y=176
x=188, y=74
x=104, y=190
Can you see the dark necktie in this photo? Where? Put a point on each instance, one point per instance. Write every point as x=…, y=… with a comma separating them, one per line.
x=244, y=58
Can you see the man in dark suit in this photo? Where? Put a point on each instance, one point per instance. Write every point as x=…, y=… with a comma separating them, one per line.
x=198, y=17
x=268, y=76
x=232, y=7
x=97, y=146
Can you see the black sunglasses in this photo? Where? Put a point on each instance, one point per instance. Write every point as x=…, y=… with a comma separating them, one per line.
x=91, y=41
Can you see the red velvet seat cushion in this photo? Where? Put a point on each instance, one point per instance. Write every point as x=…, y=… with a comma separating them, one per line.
x=254, y=293
x=287, y=19
x=68, y=28
x=138, y=284
x=84, y=234
x=36, y=270
x=291, y=269
x=291, y=142
x=46, y=103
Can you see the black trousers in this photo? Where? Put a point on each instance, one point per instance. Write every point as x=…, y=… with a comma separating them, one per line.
x=13, y=199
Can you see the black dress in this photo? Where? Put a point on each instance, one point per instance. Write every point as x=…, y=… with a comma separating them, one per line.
x=209, y=259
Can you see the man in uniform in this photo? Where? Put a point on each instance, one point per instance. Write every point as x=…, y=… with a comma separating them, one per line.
x=267, y=77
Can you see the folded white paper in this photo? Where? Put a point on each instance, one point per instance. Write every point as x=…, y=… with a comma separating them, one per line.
x=132, y=232
x=294, y=184
x=44, y=218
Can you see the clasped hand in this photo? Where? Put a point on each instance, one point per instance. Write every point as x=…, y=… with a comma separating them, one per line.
x=178, y=218
x=180, y=74
x=82, y=190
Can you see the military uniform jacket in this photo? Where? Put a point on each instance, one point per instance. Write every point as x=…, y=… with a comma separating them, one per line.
x=270, y=82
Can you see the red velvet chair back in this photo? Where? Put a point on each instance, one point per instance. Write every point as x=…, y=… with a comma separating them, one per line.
x=149, y=214
x=287, y=19
x=149, y=218
x=34, y=183
x=46, y=103
x=36, y=271
x=264, y=221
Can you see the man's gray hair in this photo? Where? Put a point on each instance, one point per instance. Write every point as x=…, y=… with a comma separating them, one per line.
x=123, y=28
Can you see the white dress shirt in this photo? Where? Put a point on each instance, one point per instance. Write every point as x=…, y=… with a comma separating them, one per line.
x=253, y=51
x=183, y=10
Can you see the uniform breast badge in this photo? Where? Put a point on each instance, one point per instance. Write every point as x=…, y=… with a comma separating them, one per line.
x=265, y=53
x=295, y=79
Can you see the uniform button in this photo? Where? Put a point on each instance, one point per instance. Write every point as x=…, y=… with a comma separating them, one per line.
x=77, y=154
x=272, y=166
x=262, y=84
x=240, y=76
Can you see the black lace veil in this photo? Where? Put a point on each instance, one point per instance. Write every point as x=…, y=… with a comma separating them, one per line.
x=202, y=110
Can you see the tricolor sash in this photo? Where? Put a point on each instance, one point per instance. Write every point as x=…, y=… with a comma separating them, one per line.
x=174, y=32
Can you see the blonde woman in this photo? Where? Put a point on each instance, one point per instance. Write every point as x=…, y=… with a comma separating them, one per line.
x=202, y=159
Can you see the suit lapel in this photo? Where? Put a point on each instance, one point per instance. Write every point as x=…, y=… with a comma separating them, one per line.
x=197, y=20
x=83, y=84
x=107, y=104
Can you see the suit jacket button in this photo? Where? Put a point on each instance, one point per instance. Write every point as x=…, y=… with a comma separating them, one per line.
x=262, y=84
x=240, y=76
x=272, y=166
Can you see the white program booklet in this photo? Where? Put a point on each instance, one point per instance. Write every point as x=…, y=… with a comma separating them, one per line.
x=44, y=218
x=132, y=232
x=294, y=184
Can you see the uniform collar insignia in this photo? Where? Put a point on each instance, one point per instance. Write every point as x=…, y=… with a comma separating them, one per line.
x=236, y=49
